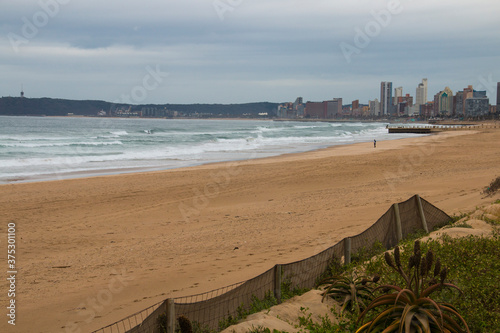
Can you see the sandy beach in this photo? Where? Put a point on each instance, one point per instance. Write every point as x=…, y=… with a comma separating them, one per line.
x=149, y=236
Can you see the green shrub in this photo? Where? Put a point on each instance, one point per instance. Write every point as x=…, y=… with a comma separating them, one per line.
x=184, y=325
x=462, y=224
x=346, y=323
x=351, y=291
x=475, y=267
x=474, y=264
x=257, y=305
x=161, y=323
x=288, y=292
x=367, y=252
x=411, y=308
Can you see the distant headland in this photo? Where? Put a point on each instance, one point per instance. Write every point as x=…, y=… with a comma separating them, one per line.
x=22, y=106
x=332, y=110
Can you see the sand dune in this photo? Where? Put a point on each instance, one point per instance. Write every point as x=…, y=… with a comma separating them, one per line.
x=285, y=316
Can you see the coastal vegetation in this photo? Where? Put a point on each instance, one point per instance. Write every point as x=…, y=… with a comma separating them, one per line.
x=410, y=306
x=184, y=325
x=351, y=291
x=258, y=305
x=493, y=187
x=16, y=106
x=474, y=267
x=443, y=284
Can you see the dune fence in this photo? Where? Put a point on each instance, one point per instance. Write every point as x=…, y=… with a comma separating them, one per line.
x=211, y=311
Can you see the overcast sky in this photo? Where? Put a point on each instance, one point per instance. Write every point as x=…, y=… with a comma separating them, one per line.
x=238, y=51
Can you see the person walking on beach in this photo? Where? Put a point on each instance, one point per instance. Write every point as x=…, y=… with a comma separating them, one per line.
x=374, y=143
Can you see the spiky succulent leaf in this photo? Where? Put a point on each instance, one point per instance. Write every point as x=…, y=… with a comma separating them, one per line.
x=406, y=296
x=352, y=292
x=410, y=309
x=436, y=287
x=389, y=287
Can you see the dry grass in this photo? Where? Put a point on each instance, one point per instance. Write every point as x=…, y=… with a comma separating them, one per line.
x=493, y=187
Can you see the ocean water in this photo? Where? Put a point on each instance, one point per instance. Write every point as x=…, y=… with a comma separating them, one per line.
x=47, y=148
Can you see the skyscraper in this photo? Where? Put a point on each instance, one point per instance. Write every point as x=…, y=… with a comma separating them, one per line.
x=385, y=98
x=445, y=102
x=458, y=104
x=421, y=93
x=424, y=84
x=398, y=92
x=468, y=93
x=498, y=96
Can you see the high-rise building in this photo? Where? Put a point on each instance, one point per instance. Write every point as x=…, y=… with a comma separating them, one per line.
x=421, y=93
x=406, y=99
x=435, y=105
x=333, y=108
x=458, y=104
x=479, y=93
x=446, y=102
x=298, y=101
x=398, y=92
x=324, y=110
x=498, y=96
x=315, y=110
x=355, y=104
x=374, y=107
x=298, y=107
x=385, y=98
x=478, y=105
x=468, y=93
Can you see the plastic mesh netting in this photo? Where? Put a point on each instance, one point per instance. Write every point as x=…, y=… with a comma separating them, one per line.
x=209, y=310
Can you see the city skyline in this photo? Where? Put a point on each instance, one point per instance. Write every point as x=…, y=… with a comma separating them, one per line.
x=226, y=52
x=392, y=96
x=467, y=102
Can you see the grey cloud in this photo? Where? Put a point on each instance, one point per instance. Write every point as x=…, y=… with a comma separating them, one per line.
x=261, y=50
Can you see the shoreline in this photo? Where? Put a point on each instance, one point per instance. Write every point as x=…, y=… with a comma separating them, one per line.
x=112, y=170
x=133, y=170
x=58, y=166
x=184, y=231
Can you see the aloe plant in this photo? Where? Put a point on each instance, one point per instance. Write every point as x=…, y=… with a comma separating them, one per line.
x=185, y=324
x=410, y=308
x=352, y=292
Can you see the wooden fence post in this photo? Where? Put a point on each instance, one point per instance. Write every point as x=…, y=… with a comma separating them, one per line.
x=170, y=316
x=347, y=250
x=399, y=230
x=277, y=283
x=421, y=213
